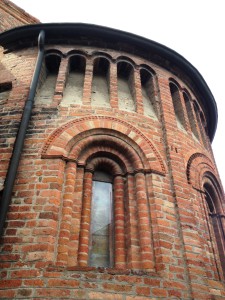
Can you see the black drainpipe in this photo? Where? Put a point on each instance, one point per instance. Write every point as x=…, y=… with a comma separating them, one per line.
x=19, y=142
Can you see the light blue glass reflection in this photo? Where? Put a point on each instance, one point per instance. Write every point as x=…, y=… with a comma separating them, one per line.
x=101, y=225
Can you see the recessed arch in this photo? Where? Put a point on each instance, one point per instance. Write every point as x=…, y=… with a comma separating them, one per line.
x=102, y=54
x=76, y=52
x=147, y=68
x=126, y=86
x=148, y=90
x=185, y=91
x=196, y=105
x=203, y=177
x=75, y=80
x=123, y=152
x=126, y=59
x=214, y=212
x=48, y=77
x=100, y=90
x=177, y=104
x=190, y=113
x=54, y=51
x=198, y=164
x=211, y=183
x=61, y=141
x=174, y=82
x=110, y=165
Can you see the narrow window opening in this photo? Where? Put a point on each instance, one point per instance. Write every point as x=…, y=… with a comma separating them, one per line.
x=190, y=115
x=200, y=125
x=100, y=83
x=204, y=129
x=47, y=80
x=126, y=93
x=178, y=109
x=148, y=93
x=5, y=89
x=211, y=200
x=73, y=92
x=101, y=231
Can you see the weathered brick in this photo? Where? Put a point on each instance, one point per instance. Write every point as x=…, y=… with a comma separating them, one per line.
x=160, y=158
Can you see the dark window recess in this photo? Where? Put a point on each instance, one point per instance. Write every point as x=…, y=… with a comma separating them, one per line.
x=5, y=89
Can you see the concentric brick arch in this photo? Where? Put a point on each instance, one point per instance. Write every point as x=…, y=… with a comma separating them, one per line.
x=61, y=141
x=197, y=165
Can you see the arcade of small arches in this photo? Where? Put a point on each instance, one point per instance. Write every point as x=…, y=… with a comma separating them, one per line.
x=102, y=81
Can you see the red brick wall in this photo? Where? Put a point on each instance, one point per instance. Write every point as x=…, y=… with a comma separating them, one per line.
x=168, y=249
x=13, y=16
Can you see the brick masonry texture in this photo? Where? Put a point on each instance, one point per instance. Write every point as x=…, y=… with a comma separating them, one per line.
x=165, y=242
x=12, y=16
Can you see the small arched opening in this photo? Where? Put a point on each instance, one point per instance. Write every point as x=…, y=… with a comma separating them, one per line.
x=178, y=109
x=125, y=82
x=47, y=79
x=148, y=93
x=75, y=80
x=100, y=93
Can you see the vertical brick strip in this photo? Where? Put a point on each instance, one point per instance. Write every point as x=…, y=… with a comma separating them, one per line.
x=119, y=219
x=113, y=86
x=138, y=92
x=133, y=247
x=144, y=222
x=64, y=235
x=85, y=220
x=76, y=218
x=61, y=82
x=88, y=82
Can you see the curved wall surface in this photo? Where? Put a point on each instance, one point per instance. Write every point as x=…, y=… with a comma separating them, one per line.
x=112, y=109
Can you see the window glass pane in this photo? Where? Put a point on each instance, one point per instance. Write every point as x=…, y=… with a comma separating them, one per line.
x=100, y=246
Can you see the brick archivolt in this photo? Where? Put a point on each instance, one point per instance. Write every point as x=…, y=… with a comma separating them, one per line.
x=114, y=167
x=198, y=165
x=74, y=141
x=107, y=143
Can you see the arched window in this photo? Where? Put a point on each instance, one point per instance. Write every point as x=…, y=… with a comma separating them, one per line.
x=106, y=220
x=125, y=81
x=75, y=81
x=178, y=109
x=47, y=79
x=148, y=93
x=101, y=245
x=125, y=158
x=216, y=218
x=100, y=82
x=190, y=114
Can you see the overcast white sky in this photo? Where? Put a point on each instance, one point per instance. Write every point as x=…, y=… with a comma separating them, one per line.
x=194, y=29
